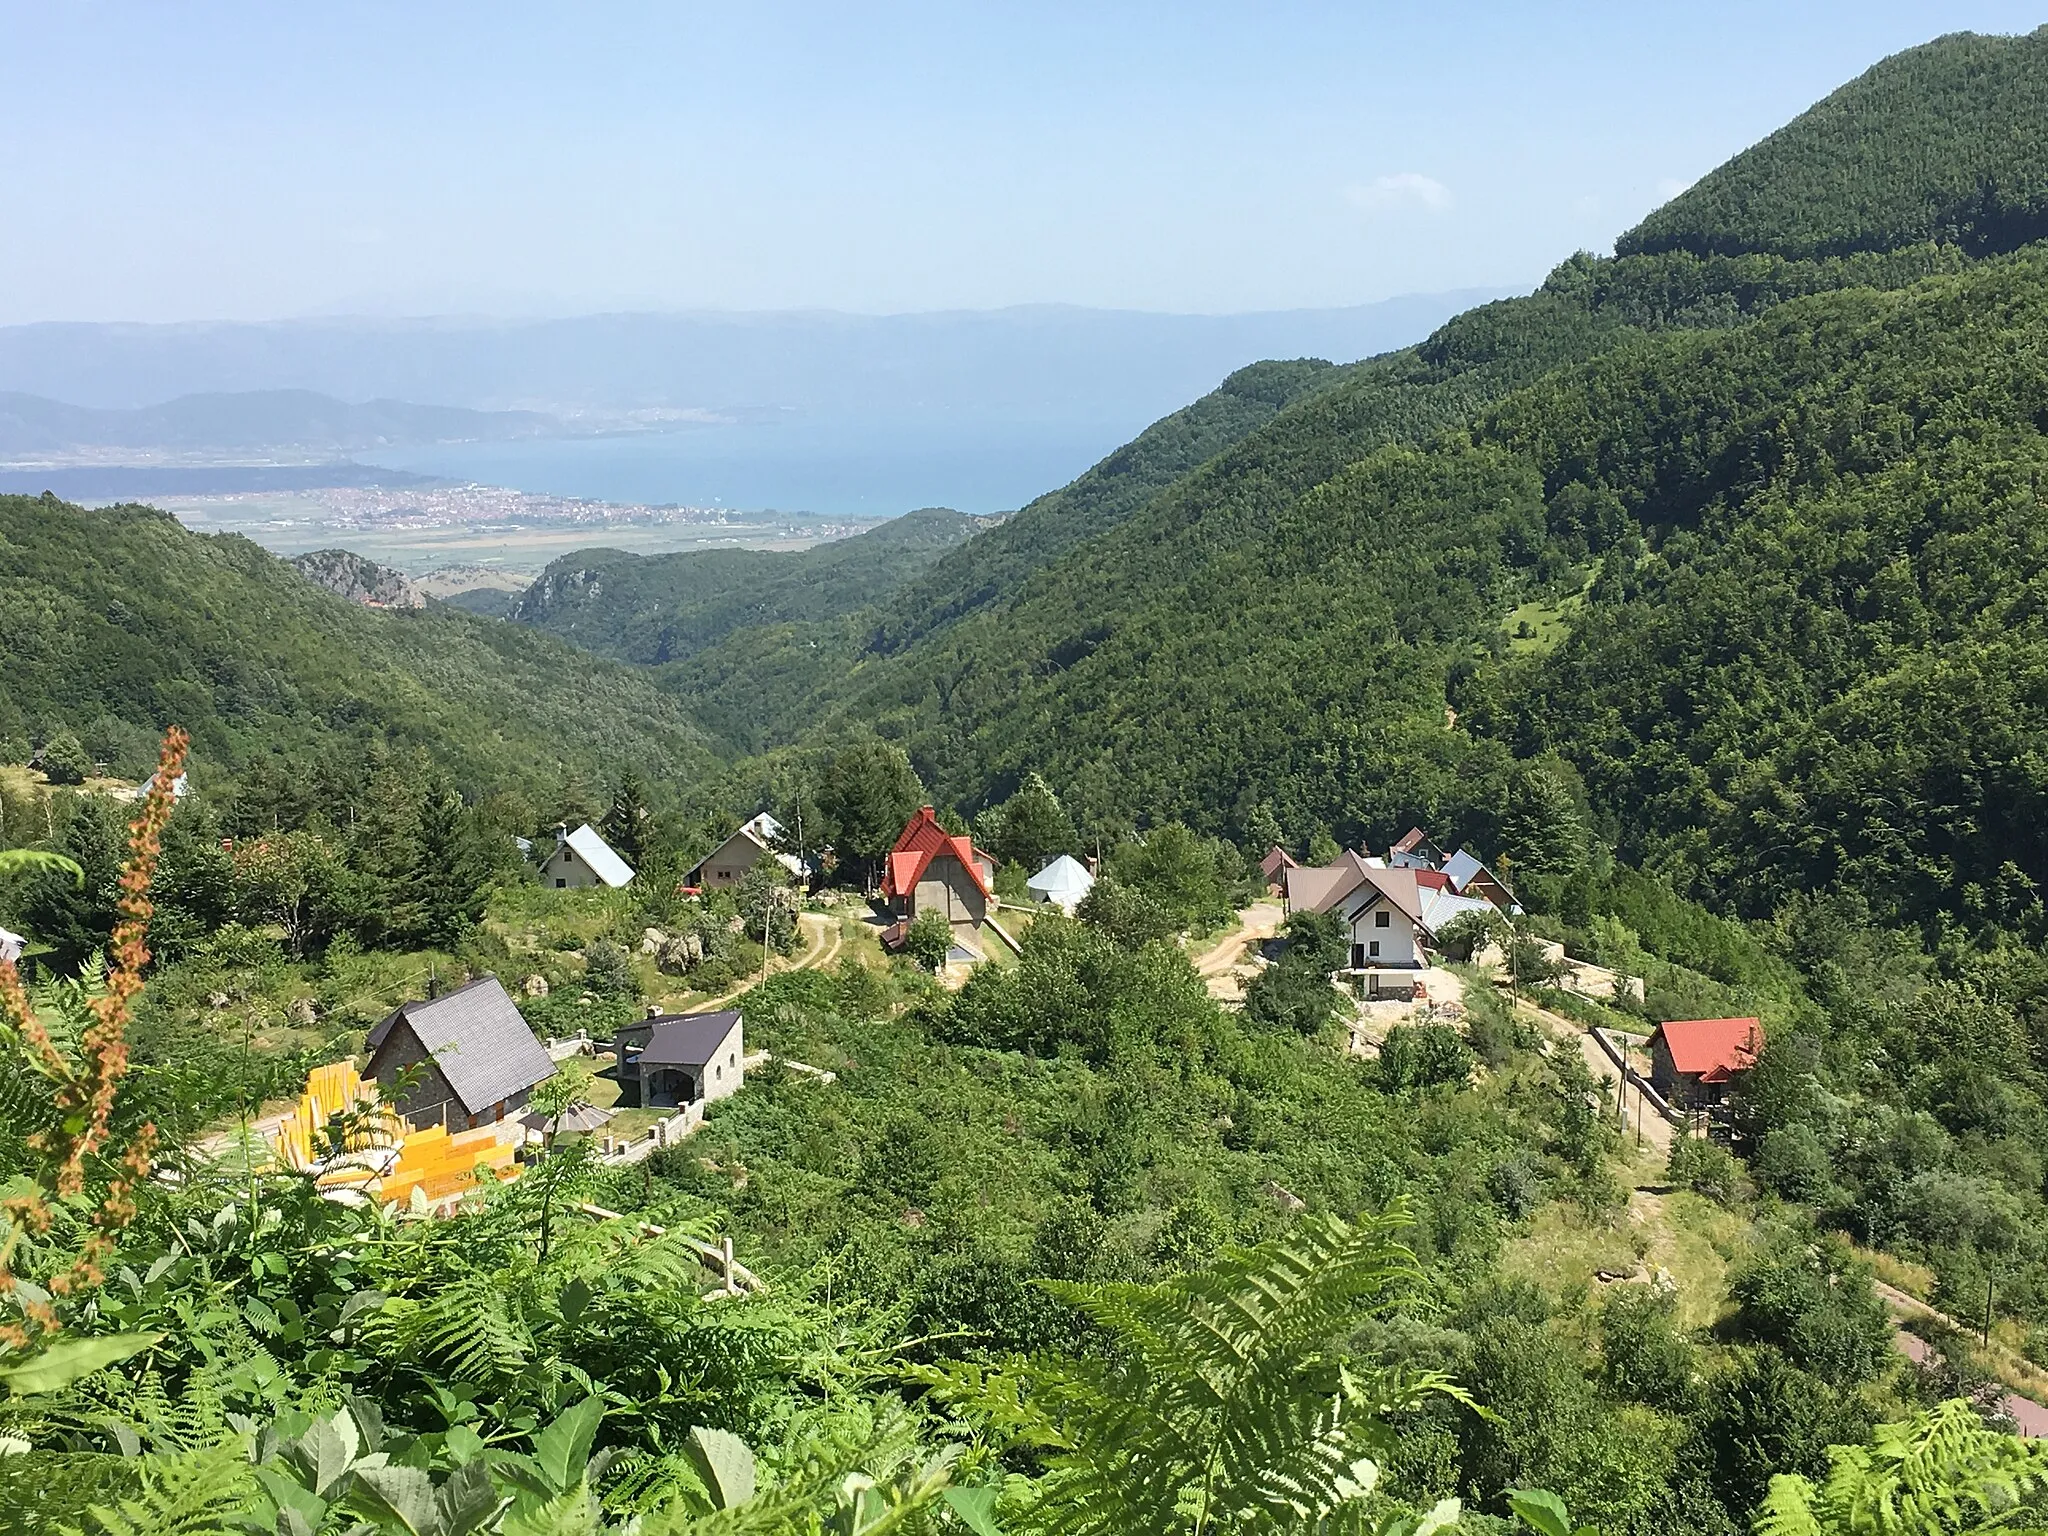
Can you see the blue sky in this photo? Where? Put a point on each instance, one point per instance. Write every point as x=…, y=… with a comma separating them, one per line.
x=206, y=160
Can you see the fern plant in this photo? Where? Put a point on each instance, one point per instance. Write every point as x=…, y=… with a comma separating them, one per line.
x=1940, y=1473
x=1222, y=1405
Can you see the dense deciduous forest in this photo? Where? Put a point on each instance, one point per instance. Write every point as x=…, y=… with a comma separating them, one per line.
x=656, y=608
x=115, y=621
x=1699, y=589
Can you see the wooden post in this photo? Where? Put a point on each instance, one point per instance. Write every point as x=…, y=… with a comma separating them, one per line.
x=725, y=1262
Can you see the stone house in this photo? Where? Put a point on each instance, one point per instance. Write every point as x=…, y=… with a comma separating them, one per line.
x=478, y=1061
x=670, y=1061
x=1694, y=1062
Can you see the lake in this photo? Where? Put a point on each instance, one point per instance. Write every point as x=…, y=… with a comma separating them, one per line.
x=828, y=466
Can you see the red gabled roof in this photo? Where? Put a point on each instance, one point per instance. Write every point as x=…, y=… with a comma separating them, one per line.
x=1415, y=835
x=1432, y=879
x=1276, y=859
x=923, y=840
x=1712, y=1050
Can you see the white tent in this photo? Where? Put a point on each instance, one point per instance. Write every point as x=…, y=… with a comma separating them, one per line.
x=1063, y=882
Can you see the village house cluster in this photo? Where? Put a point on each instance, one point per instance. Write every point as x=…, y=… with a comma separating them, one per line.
x=1393, y=907
x=466, y=1059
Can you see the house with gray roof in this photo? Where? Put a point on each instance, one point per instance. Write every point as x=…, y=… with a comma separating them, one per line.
x=670, y=1061
x=478, y=1061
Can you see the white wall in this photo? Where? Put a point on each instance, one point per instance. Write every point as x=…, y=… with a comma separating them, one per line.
x=1398, y=945
x=727, y=1066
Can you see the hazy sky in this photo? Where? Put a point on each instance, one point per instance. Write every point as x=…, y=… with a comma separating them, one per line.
x=199, y=160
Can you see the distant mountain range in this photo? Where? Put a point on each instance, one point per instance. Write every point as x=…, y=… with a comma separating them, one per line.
x=267, y=419
x=1039, y=363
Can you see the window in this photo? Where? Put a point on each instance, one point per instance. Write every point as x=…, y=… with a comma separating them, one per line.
x=561, y=884
x=1375, y=948
x=1382, y=919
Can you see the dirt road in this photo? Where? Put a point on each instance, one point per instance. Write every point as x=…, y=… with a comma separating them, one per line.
x=1220, y=966
x=2029, y=1415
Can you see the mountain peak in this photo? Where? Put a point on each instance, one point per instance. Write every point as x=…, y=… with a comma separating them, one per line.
x=1947, y=142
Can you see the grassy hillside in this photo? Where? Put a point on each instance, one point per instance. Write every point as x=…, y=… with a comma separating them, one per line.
x=1944, y=142
x=115, y=623
x=659, y=608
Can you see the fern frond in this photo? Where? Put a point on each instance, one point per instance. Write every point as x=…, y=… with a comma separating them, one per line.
x=193, y=1494
x=1940, y=1471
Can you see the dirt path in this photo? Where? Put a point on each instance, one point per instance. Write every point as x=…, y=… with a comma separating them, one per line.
x=1648, y=1207
x=1219, y=967
x=826, y=940
x=1656, y=1132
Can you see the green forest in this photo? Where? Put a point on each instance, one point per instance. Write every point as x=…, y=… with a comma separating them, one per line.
x=1700, y=590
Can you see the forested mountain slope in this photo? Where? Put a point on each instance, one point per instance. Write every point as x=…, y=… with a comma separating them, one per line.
x=115, y=623
x=1694, y=459
x=1945, y=142
x=973, y=642
x=989, y=568
x=658, y=608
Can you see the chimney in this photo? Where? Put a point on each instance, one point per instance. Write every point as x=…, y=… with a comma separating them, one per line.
x=561, y=833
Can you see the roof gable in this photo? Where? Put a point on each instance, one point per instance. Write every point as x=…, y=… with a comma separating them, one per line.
x=760, y=835
x=921, y=841
x=1399, y=888
x=589, y=846
x=1312, y=889
x=1713, y=1049
x=1468, y=873
x=476, y=1038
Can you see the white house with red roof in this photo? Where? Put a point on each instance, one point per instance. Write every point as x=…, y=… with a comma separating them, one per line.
x=1693, y=1062
x=933, y=870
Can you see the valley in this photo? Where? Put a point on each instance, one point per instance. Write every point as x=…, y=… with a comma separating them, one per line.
x=1449, y=940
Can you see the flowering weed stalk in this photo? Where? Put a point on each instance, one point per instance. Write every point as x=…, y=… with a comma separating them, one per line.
x=87, y=1085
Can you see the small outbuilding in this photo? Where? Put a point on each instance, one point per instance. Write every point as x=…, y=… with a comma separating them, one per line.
x=583, y=858
x=1064, y=883
x=478, y=1061
x=1470, y=877
x=12, y=946
x=1694, y=1062
x=1274, y=867
x=670, y=1061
